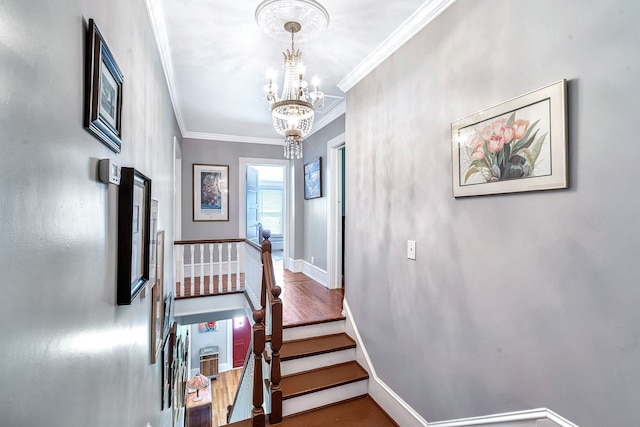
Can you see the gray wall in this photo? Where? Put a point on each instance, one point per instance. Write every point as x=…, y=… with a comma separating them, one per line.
x=516, y=301
x=314, y=227
x=207, y=339
x=70, y=356
x=198, y=151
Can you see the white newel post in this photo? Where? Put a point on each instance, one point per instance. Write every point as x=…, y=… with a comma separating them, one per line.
x=210, y=268
x=219, y=267
x=192, y=248
x=238, y=286
x=229, y=267
x=181, y=261
x=201, y=269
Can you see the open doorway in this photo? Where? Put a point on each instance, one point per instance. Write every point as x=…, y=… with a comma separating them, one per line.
x=336, y=153
x=264, y=202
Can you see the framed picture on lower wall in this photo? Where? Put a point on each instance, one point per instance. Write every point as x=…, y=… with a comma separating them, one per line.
x=210, y=192
x=313, y=179
x=519, y=145
x=157, y=300
x=134, y=240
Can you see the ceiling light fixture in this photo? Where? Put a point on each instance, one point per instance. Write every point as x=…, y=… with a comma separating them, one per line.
x=294, y=110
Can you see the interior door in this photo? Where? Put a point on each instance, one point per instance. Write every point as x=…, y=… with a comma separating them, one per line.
x=241, y=340
x=252, y=204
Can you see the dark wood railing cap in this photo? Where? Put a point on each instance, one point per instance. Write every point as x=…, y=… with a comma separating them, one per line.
x=197, y=242
x=276, y=291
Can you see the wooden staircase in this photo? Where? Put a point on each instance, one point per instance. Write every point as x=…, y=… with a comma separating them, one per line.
x=322, y=384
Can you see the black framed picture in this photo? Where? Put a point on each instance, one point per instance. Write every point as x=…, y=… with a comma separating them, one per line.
x=134, y=224
x=103, y=94
x=313, y=179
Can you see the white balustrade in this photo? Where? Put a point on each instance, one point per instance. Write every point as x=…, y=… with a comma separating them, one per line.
x=210, y=268
x=192, y=251
x=197, y=261
x=220, y=267
x=201, y=269
x=237, y=265
x=229, y=267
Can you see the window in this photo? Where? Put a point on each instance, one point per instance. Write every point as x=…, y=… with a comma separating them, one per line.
x=271, y=207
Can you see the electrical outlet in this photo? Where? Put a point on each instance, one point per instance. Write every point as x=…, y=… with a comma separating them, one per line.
x=411, y=249
x=313, y=261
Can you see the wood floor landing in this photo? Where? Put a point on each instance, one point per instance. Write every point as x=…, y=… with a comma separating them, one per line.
x=305, y=301
x=361, y=411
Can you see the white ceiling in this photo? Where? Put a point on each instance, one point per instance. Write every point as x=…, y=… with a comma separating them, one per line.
x=215, y=58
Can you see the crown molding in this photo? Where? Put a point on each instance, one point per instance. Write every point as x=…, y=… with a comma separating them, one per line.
x=156, y=17
x=232, y=138
x=417, y=21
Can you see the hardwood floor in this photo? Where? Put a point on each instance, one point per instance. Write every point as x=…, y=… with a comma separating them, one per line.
x=223, y=391
x=304, y=300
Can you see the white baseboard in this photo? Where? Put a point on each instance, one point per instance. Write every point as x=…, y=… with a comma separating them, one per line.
x=317, y=274
x=406, y=416
x=398, y=409
x=295, y=265
x=539, y=414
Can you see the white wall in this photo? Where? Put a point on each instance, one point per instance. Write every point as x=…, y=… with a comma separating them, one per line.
x=517, y=301
x=207, y=339
x=70, y=356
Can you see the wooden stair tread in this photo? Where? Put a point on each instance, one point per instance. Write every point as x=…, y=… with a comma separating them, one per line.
x=321, y=379
x=360, y=411
x=317, y=345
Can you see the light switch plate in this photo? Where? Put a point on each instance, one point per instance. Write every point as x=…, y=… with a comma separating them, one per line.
x=411, y=249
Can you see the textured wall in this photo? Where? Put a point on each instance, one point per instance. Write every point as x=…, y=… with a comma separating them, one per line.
x=198, y=151
x=314, y=228
x=70, y=356
x=515, y=301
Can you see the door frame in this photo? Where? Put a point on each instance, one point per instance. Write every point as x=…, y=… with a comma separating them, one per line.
x=287, y=214
x=334, y=213
x=177, y=190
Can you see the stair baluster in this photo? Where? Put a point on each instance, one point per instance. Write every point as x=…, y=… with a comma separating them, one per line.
x=257, y=413
x=276, y=345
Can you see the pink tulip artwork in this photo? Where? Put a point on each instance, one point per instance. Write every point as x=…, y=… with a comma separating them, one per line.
x=519, y=145
x=512, y=146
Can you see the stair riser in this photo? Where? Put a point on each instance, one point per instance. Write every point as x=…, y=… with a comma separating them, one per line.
x=315, y=330
x=318, y=361
x=324, y=397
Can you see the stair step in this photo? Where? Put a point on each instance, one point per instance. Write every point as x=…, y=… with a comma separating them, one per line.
x=295, y=332
x=321, y=379
x=305, y=347
x=361, y=411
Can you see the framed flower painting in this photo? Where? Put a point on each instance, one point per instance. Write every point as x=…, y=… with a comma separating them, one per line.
x=519, y=145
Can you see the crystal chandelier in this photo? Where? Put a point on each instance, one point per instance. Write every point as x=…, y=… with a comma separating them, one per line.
x=293, y=111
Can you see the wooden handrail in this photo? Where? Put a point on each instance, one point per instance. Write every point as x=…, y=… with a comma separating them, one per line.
x=198, y=242
x=270, y=294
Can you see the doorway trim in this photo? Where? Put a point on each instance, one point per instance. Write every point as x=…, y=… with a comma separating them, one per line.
x=288, y=229
x=334, y=214
x=177, y=190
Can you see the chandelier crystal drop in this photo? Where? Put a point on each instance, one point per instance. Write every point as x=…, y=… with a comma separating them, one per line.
x=294, y=110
